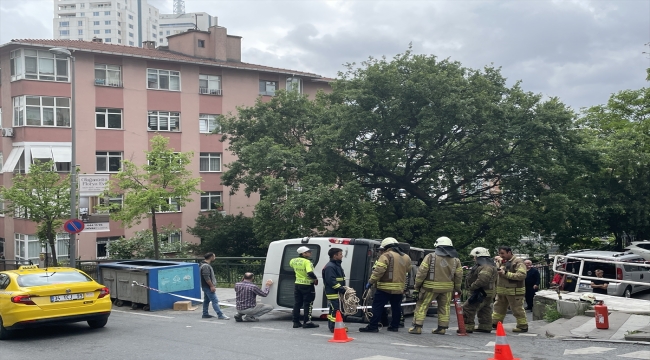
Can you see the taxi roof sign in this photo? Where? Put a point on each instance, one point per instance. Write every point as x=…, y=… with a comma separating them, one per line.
x=27, y=267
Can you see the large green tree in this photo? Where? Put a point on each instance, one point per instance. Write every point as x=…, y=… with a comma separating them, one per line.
x=42, y=196
x=435, y=148
x=226, y=235
x=162, y=184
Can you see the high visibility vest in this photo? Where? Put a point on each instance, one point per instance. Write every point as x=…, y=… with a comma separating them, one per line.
x=301, y=267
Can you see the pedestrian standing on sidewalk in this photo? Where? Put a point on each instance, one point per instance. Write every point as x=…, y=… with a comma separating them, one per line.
x=600, y=285
x=532, y=283
x=208, y=285
x=245, y=292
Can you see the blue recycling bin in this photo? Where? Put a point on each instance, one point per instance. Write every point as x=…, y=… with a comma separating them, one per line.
x=168, y=277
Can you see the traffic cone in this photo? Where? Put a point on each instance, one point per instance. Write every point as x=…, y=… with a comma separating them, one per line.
x=501, y=348
x=340, y=334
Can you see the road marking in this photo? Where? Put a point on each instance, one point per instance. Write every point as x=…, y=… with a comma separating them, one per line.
x=320, y=335
x=264, y=328
x=587, y=350
x=491, y=343
x=637, y=355
x=136, y=313
x=212, y=322
x=379, y=357
x=483, y=351
x=413, y=345
x=585, y=328
x=527, y=335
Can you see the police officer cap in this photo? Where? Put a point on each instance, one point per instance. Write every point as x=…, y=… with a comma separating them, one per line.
x=303, y=249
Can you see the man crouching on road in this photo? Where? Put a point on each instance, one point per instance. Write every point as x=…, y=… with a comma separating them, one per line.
x=247, y=307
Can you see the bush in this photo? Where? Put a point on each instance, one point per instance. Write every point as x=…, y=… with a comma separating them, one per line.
x=551, y=314
x=140, y=246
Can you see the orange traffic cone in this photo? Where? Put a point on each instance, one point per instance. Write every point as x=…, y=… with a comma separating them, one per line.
x=501, y=348
x=340, y=334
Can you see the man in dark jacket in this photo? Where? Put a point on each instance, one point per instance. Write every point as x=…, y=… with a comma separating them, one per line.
x=532, y=283
x=334, y=280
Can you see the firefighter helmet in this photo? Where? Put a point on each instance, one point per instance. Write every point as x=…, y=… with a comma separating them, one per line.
x=443, y=241
x=480, y=251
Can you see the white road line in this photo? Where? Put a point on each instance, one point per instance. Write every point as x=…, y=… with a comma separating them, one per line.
x=531, y=335
x=491, y=343
x=212, y=322
x=320, y=335
x=637, y=355
x=137, y=313
x=413, y=345
x=264, y=328
x=379, y=357
x=482, y=351
x=587, y=350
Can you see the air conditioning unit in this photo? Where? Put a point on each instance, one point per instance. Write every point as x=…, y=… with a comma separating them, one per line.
x=8, y=132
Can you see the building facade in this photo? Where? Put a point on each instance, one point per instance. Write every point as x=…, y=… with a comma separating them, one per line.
x=172, y=24
x=125, y=96
x=126, y=22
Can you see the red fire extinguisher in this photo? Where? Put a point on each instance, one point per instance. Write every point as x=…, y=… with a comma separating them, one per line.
x=602, y=316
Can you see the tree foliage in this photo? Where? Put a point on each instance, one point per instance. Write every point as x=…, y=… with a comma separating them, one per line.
x=43, y=196
x=141, y=246
x=226, y=235
x=148, y=188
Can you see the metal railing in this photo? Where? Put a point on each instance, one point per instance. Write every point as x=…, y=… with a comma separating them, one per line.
x=560, y=259
x=13, y=264
x=107, y=82
x=208, y=91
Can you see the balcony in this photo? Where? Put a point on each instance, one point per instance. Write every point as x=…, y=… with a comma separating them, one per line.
x=208, y=91
x=108, y=82
x=267, y=93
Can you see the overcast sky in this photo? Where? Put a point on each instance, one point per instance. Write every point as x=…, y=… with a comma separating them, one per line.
x=579, y=50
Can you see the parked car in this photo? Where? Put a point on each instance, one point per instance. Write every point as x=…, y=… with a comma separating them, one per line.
x=31, y=297
x=634, y=271
x=641, y=248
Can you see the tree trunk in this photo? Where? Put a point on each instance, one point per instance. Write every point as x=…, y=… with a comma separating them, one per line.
x=51, y=238
x=154, y=229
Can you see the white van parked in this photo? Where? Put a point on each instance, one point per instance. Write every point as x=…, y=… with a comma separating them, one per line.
x=359, y=256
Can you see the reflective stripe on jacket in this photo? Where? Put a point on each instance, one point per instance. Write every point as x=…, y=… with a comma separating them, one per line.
x=482, y=277
x=333, y=279
x=512, y=282
x=302, y=267
x=390, y=272
x=446, y=274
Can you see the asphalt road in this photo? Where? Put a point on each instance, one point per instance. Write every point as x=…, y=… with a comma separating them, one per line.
x=135, y=334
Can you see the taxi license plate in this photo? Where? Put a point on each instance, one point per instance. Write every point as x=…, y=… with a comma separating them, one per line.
x=67, y=297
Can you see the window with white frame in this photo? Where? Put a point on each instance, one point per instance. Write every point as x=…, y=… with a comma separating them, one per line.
x=80, y=23
x=95, y=22
x=210, y=162
x=62, y=246
x=294, y=84
x=268, y=87
x=173, y=238
x=107, y=40
x=95, y=13
x=208, y=124
x=41, y=111
x=107, y=31
x=103, y=248
x=158, y=79
x=164, y=121
x=107, y=12
x=107, y=22
x=108, y=118
x=210, y=84
x=171, y=206
x=95, y=32
x=80, y=32
x=38, y=65
x=210, y=200
x=26, y=247
x=114, y=203
x=64, y=23
x=108, y=75
x=64, y=32
x=108, y=161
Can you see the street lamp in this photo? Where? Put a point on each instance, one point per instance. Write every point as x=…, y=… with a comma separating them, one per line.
x=73, y=159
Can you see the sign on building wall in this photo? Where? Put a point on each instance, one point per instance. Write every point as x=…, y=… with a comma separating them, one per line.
x=91, y=186
x=176, y=279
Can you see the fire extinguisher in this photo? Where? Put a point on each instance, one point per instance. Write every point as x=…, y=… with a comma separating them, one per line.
x=602, y=315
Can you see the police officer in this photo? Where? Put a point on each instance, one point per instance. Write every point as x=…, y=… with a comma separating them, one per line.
x=481, y=284
x=439, y=274
x=334, y=281
x=389, y=275
x=511, y=289
x=304, y=291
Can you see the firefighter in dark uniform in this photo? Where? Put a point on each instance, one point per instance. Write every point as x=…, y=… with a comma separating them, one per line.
x=481, y=284
x=334, y=281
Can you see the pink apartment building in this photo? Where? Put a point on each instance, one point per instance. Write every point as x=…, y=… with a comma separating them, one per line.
x=124, y=96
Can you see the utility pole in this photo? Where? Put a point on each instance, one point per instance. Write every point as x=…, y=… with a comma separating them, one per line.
x=179, y=7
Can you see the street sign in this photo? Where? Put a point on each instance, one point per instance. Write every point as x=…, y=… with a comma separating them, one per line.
x=73, y=226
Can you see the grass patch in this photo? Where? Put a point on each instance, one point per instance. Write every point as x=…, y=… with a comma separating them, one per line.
x=551, y=314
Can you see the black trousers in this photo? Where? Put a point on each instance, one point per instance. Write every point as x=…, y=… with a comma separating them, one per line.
x=530, y=294
x=334, y=305
x=303, y=297
x=381, y=299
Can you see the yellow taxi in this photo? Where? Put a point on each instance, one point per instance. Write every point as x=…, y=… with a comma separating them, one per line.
x=31, y=297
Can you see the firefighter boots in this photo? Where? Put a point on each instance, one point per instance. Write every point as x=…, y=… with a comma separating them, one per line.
x=416, y=329
x=441, y=330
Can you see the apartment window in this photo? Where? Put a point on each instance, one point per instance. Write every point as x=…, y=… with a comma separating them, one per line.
x=172, y=238
x=80, y=32
x=294, y=84
x=38, y=65
x=201, y=43
x=154, y=27
x=41, y=111
x=102, y=246
x=167, y=32
x=171, y=206
x=107, y=40
x=210, y=200
x=210, y=84
x=161, y=33
x=131, y=18
x=119, y=41
x=108, y=118
x=81, y=6
x=130, y=26
x=130, y=34
x=118, y=14
x=108, y=161
x=154, y=36
x=95, y=31
x=164, y=121
x=64, y=32
x=107, y=31
x=131, y=43
x=107, y=12
x=80, y=23
x=82, y=14
x=95, y=13
x=64, y=23
x=27, y=247
x=107, y=22
x=119, y=32
x=119, y=23
x=210, y=162
x=163, y=80
x=95, y=22
x=268, y=87
x=208, y=124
